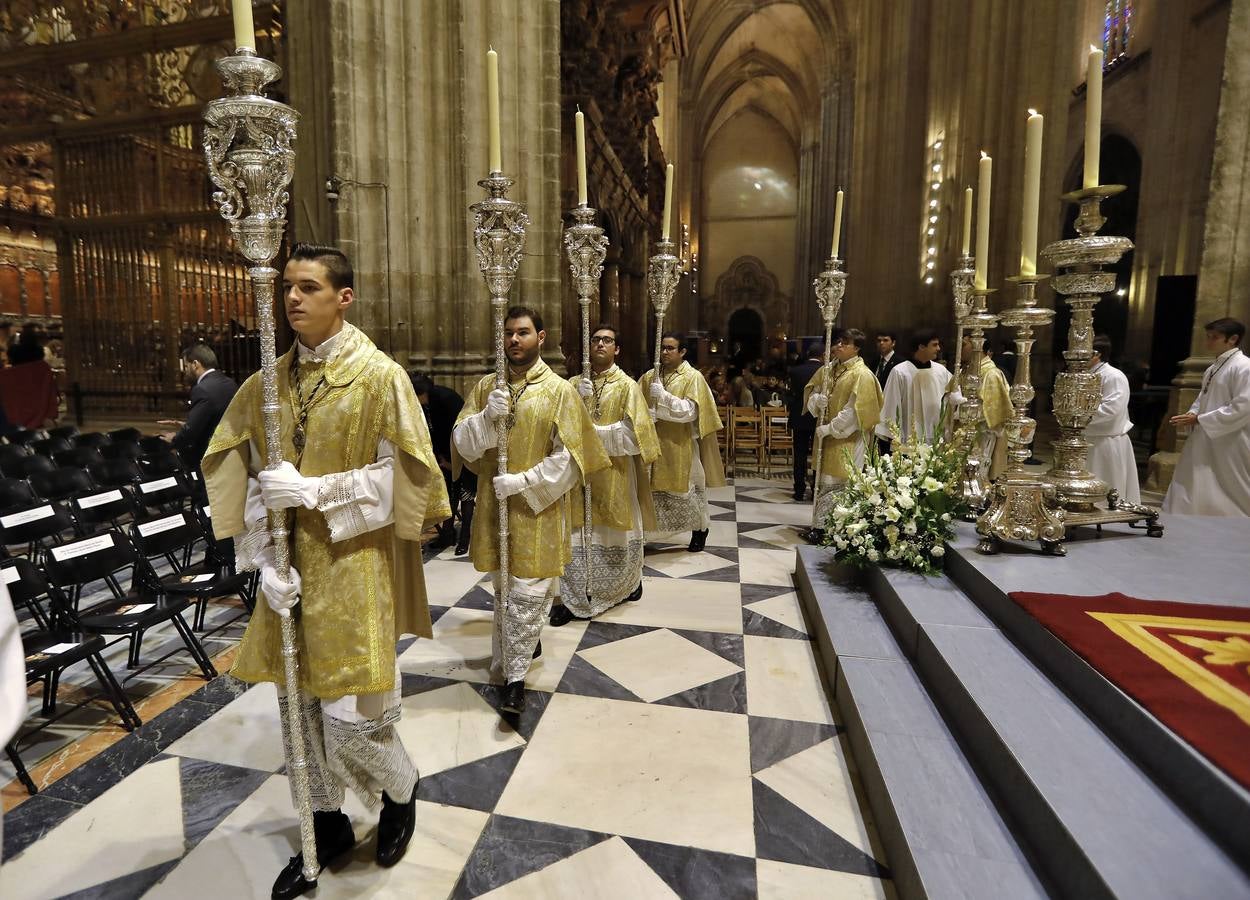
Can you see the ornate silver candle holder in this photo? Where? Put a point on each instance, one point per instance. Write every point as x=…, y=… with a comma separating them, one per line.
x=1022, y=506
x=587, y=247
x=974, y=319
x=1082, y=282
x=499, y=226
x=830, y=287
x=247, y=145
x=663, y=273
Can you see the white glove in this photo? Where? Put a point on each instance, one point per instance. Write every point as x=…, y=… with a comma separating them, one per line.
x=824, y=431
x=657, y=393
x=818, y=403
x=284, y=487
x=497, y=404
x=507, y=485
x=585, y=388
x=280, y=595
x=957, y=398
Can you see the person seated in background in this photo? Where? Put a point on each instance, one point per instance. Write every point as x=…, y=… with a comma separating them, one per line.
x=28, y=388
x=740, y=391
x=29, y=346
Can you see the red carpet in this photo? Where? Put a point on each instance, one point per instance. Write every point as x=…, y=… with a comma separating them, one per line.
x=1188, y=663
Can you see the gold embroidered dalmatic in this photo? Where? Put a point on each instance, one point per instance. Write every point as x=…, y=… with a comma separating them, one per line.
x=671, y=472
x=360, y=594
x=617, y=397
x=539, y=542
x=847, y=377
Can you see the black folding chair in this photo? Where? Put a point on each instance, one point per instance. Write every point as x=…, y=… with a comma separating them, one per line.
x=35, y=526
x=175, y=538
x=50, y=446
x=116, y=472
x=69, y=432
x=164, y=493
x=15, y=492
x=102, y=508
x=126, y=435
x=60, y=484
x=22, y=436
x=29, y=465
x=12, y=460
x=73, y=566
x=161, y=462
x=120, y=450
x=90, y=439
x=80, y=456
x=223, y=552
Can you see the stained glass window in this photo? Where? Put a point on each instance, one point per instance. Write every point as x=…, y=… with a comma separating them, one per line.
x=1117, y=25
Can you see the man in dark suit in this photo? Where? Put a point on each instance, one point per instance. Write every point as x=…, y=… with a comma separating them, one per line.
x=802, y=424
x=442, y=406
x=211, y=393
x=886, y=358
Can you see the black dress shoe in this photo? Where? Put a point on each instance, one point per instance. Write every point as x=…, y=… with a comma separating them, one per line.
x=395, y=827
x=697, y=540
x=561, y=615
x=538, y=650
x=466, y=527
x=513, y=698
x=636, y=594
x=446, y=536
x=334, y=838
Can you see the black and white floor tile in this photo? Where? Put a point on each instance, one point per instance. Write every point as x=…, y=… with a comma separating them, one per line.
x=680, y=746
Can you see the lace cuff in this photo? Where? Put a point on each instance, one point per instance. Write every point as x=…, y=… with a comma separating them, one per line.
x=252, y=549
x=337, y=501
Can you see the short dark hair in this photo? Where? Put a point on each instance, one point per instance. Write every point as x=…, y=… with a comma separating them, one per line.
x=338, y=267
x=922, y=338
x=677, y=336
x=881, y=332
x=817, y=351
x=525, y=312
x=1229, y=328
x=604, y=326
x=854, y=335
x=202, y=354
x=1102, y=346
x=421, y=384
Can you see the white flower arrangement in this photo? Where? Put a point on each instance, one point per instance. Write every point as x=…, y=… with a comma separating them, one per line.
x=898, y=510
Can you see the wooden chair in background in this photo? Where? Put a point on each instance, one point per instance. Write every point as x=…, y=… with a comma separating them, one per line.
x=748, y=435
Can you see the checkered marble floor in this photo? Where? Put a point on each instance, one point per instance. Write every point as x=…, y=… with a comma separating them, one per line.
x=680, y=746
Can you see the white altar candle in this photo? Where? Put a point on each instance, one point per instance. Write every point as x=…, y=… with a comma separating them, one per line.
x=984, y=171
x=837, y=224
x=492, y=108
x=244, y=30
x=1032, y=193
x=967, y=232
x=579, y=129
x=668, y=201
x=1093, y=116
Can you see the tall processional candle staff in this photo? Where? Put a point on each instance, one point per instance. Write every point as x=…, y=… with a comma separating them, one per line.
x=587, y=248
x=663, y=272
x=499, y=226
x=830, y=287
x=248, y=148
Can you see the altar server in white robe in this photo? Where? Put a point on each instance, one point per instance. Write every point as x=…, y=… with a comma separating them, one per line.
x=914, y=392
x=1110, y=450
x=1213, y=475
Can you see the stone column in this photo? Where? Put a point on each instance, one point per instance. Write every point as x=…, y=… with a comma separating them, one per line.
x=398, y=116
x=1224, y=272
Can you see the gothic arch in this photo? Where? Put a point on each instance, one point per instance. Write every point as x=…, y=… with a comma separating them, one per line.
x=746, y=284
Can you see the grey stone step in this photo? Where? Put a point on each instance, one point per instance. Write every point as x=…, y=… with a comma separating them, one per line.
x=943, y=836
x=1098, y=825
x=1197, y=558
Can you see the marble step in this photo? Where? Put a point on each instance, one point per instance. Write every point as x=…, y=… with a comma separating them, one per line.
x=1097, y=824
x=942, y=834
x=1207, y=555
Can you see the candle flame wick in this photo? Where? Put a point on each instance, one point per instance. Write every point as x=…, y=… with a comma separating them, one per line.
x=490, y=48
x=1033, y=112
x=1093, y=49
x=984, y=155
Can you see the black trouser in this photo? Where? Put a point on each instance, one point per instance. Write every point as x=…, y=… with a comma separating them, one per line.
x=802, y=450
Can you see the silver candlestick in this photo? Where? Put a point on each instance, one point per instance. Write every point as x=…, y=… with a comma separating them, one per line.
x=1078, y=391
x=830, y=287
x=248, y=148
x=1022, y=506
x=499, y=226
x=663, y=273
x=973, y=319
x=587, y=247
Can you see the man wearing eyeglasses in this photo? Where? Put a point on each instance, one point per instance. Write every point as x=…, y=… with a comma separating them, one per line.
x=686, y=423
x=621, y=510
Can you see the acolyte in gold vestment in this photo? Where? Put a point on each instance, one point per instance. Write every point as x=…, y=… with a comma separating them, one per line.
x=616, y=397
x=540, y=542
x=671, y=472
x=847, y=377
x=360, y=594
